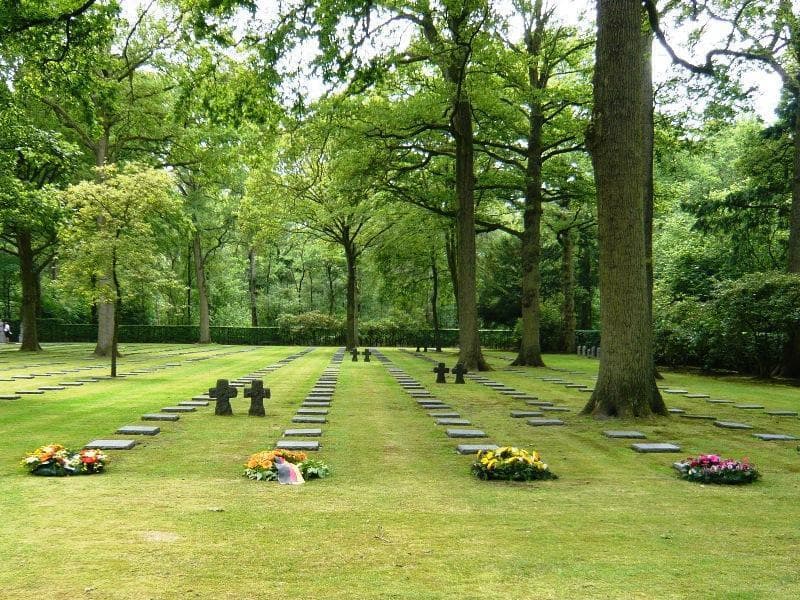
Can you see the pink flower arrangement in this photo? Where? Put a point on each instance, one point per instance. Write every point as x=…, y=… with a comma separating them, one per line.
x=711, y=468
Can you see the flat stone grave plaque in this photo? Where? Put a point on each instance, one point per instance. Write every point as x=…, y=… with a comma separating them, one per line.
x=676, y=391
x=575, y=386
x=29, y=392
x=138, y=430
x=782, y=413
x=445, y=415
x=452, y=421
x=553, y=380
x=194, y=403
x=509, y=392
x=544, y=422
x=9, y=397
x=519, y=414
x=50, y=388
x=465, y=433
x=111, y=444
x=718, y=401
x=319, y=396
x=22, y=377
x=748, y=406
x=556, y=408
x=238, y=384
x=70, y=383
x=160, y=417
x=297, y=445
x=699, y=417
x=538, y=403
x=308, y=419
x=201, y=398
x=87, y=380
x=435, y=406
x=625, y=435
x=697, y=396
x=312, y=411
x=313, y=403
x=303, y=432
x=732, y=425
x=775, y=437
x=178, y=409
x=475, y=448
x=655, y=447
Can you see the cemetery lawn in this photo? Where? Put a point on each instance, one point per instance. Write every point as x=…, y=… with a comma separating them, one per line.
x=401, y=517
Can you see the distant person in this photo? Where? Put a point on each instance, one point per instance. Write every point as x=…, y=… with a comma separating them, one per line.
x=7, y=331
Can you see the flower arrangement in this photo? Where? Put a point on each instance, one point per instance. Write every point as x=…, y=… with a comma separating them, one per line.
x=710, y=468
x=510, y=464
x=54, y=460
x=261, y=465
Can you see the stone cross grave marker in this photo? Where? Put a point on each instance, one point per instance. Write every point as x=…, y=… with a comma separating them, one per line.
x=440, y=370
x=354, y=352
x=257, y=392
x=459, y=372
x=223, y=393
x=366, y=354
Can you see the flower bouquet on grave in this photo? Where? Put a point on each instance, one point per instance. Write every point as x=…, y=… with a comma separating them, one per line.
x=710, y=468
x=54, y=460
x=261, y=466
x=510, y=464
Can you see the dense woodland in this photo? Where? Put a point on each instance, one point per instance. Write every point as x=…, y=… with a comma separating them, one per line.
x=413, y=164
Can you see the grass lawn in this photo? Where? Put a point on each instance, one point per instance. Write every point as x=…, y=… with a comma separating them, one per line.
x=401, y=517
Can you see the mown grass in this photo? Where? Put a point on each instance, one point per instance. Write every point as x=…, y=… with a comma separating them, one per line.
x=401, y=517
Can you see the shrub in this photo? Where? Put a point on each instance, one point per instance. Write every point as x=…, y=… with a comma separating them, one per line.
x=510, y=464
x=710, y=468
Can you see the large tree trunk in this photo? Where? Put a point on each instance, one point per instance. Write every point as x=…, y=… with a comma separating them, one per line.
x=202, y=290
x=437, y=334
x=452, y=263
x=251, y=286
x=351, y=326
x=30, y=342
x=469, y=341
x=568, y=291
x=790, y=366
x=105, y=310
x=331, y=296
x=625, y=385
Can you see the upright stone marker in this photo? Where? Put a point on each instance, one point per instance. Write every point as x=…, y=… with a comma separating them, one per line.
x=440, y=371
x=257, y=393
x=459, y=371
x=223, y=394
x=366, y=354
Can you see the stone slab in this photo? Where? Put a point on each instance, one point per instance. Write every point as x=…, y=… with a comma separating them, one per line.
x=308, y=419
x=312, y=432
x=732, y=425
x=625, y=434
x=782, y=413
x=544, y=422
x=313, y=403
x=699, y=417
x=676, y=411
x=160, y=417
x=519, y=414
x=775, y=437
x=748, y=406
x=70, y=383
x=29, y=392
x=465, y=433
x=697, y=396
x=475, y=448
x=719, y=401
x=452, y=421
x=445, y=415
x=676, y=391
x=538, y=403
x=312, y=411
x=649, y=448
x=297, y=445
x=588, y=390
x=178, y=409
x=9, y=397
x=111, y=444
x=194, y=403
x=138, y=430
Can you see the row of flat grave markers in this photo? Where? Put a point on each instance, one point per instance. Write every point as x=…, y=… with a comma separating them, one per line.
x=172, y=413
x=442, y=413
x=62, y=385
x=313, y=410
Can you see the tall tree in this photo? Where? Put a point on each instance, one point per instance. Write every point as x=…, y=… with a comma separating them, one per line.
x=626, y=384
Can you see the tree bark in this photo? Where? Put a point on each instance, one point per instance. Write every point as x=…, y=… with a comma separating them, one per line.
x=626, y=384
x=28, y=310
x=790, y=366
x=105, y=310
x=469, y=341
x=452, y=263
x=331, y=296
x=202, y=290
x=251, y=286
x=351, y=326
x=437, y=334
x=568, y=290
